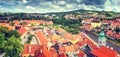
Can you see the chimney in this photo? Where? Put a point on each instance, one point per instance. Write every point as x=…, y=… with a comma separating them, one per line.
x=112, y=48
x=107, y=46
x=118, y=55
x=29, y=48
x=41, y=50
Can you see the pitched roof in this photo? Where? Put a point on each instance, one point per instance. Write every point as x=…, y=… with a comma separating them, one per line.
x=62, y=55
x=61, y=30
x=92, y=45
x=62, y=49
x=81, y=53
x=49, y=22
x=55, y=37
x=11, y=27
x=81, y=43
x=71, y=48
x=38, y=50
x=16, y=22
x=42, y=38
x=46, y=52
x=114, y=35
x=53, y=52
x=31, y=48
x=87, y=27
x=22, y=30
x=104, y=52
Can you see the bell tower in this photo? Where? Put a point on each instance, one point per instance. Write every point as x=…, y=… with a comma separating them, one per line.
x=102, y=39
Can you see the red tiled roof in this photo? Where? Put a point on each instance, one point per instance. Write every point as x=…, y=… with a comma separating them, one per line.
x=106, y=21
x=49, y=23
x=86, y=41
x=81, y=43
x=42, y=38
x=22, y=30
x=114, y=35
x=87, y=27
x=11, y=27
x=62, y=55
x=16, y=22
x=45, y=52
x=104, y=52
x=53, y=52
x=81, y=54
x=71, y=48
x=62, y=49
x=31, y=48
x=92, y=45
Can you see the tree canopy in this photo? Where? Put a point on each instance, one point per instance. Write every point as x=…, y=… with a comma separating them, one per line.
x=12, y=47
x=10, y=42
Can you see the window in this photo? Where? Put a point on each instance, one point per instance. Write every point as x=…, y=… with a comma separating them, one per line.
x=100, y=42
x=30, y=56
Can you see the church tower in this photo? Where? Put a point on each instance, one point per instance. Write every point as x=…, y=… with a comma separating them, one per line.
x=102, y=39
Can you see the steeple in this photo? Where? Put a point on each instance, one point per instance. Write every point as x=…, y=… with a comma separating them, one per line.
x=102, y=39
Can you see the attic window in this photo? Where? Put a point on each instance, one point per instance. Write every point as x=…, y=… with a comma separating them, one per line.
x=30, y=56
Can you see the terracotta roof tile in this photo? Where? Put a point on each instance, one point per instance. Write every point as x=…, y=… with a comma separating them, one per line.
x=81, y=53
x=62, y=49
x=92, y=45
x=16, y=22
x=22, y=30
x=104, y=52
x=31, y=48
x=53, y=52
x=71, y=48
x=42, y=38
x=62, y=55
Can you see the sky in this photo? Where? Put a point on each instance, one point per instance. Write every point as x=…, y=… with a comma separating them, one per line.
x=45, y=6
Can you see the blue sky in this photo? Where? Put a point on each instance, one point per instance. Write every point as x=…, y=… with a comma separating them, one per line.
x=43, y=6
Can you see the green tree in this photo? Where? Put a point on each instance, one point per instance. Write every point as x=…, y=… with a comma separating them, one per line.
x=12, y=23
x=3, y=29
x=13, y=32
x=23, y=23
x=117, y=29
x=32, y=24
x=29, y=38
x=2, y=36
x=12, y=47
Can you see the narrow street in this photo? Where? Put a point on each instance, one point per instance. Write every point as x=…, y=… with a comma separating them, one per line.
x=108, y=43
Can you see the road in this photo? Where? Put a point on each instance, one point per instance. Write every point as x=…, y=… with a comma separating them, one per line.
x=108, y=43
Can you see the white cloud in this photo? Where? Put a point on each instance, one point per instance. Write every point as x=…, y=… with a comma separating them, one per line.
x=30, y=8
x=78, y=1
x=42, y=6
x=25, y=1
x=61, y=3
x=70, y=5
x=11, y=2
x=112, y=5
x=88, y=7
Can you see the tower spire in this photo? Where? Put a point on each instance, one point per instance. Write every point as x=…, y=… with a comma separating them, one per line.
x=102, y=39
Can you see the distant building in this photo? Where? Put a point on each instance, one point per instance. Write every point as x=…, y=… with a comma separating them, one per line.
x=96, y=23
